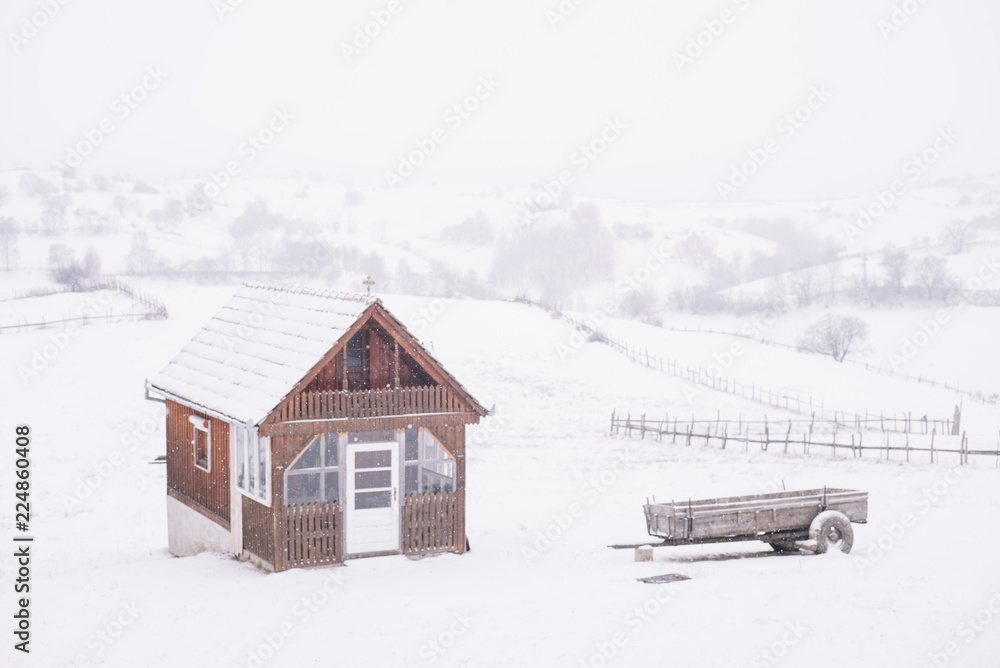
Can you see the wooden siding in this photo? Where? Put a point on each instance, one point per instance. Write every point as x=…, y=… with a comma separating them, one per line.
x=207, y=489
x=333, y=405
x=258, y=529
x=452, y=437
x=430, y=523
x=378, y=365
x=366, y=424
x=311, y=535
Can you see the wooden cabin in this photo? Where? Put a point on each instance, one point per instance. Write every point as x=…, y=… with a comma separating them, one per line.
x=307, y=427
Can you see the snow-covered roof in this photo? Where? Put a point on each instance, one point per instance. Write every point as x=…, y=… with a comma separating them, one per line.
x=265, y=339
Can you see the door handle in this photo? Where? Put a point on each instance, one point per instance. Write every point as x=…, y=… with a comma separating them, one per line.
x=393, y=493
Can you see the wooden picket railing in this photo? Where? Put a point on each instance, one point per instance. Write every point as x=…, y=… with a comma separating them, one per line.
x=431, y=523
x=336, y=404
x=312, y=535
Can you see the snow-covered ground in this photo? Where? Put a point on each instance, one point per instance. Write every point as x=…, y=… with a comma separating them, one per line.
x=548, y=490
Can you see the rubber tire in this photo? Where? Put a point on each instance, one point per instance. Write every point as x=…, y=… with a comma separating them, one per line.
x=832, y=528
x=784, y=548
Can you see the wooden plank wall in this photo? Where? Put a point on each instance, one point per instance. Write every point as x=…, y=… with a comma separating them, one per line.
x=430, y=523
x=262, y=524
x=452, y=437
x=381, y=365
x=371, y=403
x=258, y=529
x=209, y=490
x=328, y=377
x=381, y=360
x=311, y=535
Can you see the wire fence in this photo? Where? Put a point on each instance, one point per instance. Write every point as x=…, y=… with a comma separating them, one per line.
x=803, y=437
x=144, y=305
x=701, y=378
x=979, y=396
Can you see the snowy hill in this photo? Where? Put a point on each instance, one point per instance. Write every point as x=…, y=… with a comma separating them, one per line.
x=549, y=489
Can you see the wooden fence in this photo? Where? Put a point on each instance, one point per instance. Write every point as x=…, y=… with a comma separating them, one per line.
x=431, y=523
x=986, y=398
x=730, y=433
x=789, y=401
x=334, y=404
x=312, y=535
x=150, y=308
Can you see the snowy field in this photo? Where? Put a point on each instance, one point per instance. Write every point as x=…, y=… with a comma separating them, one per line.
x=548, y=490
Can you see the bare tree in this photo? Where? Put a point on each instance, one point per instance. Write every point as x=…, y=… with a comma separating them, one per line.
x=64, y=267
x=896, y=264
x=957, y=235
x=33, y=185
x=141, y=258
x=803, y=284
x=8, y=240
x=124, y=204
x=171, y=213
x=834, y=335
x=833, y=271
x=932, y=274
x=641, y=305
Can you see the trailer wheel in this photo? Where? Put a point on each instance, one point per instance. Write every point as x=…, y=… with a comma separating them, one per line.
x=832, y=529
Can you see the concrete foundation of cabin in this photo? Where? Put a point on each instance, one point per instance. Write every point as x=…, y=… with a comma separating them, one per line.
x=190, y=533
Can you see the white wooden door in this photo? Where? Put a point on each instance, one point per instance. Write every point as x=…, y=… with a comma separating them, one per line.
x=371, y=522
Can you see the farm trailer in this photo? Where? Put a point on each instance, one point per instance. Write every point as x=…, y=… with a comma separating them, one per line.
x=815, y=520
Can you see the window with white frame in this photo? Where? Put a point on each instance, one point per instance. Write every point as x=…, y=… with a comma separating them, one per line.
x=429, y=467
x=202, y=441
x=315, y=475
x=253, y=462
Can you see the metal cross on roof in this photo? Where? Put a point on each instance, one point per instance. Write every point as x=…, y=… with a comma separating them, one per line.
x=368, y=282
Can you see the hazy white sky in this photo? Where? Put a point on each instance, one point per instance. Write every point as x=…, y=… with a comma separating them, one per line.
x=685, y=130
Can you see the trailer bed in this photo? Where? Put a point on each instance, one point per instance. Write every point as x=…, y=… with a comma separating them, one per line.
x=782, y=517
